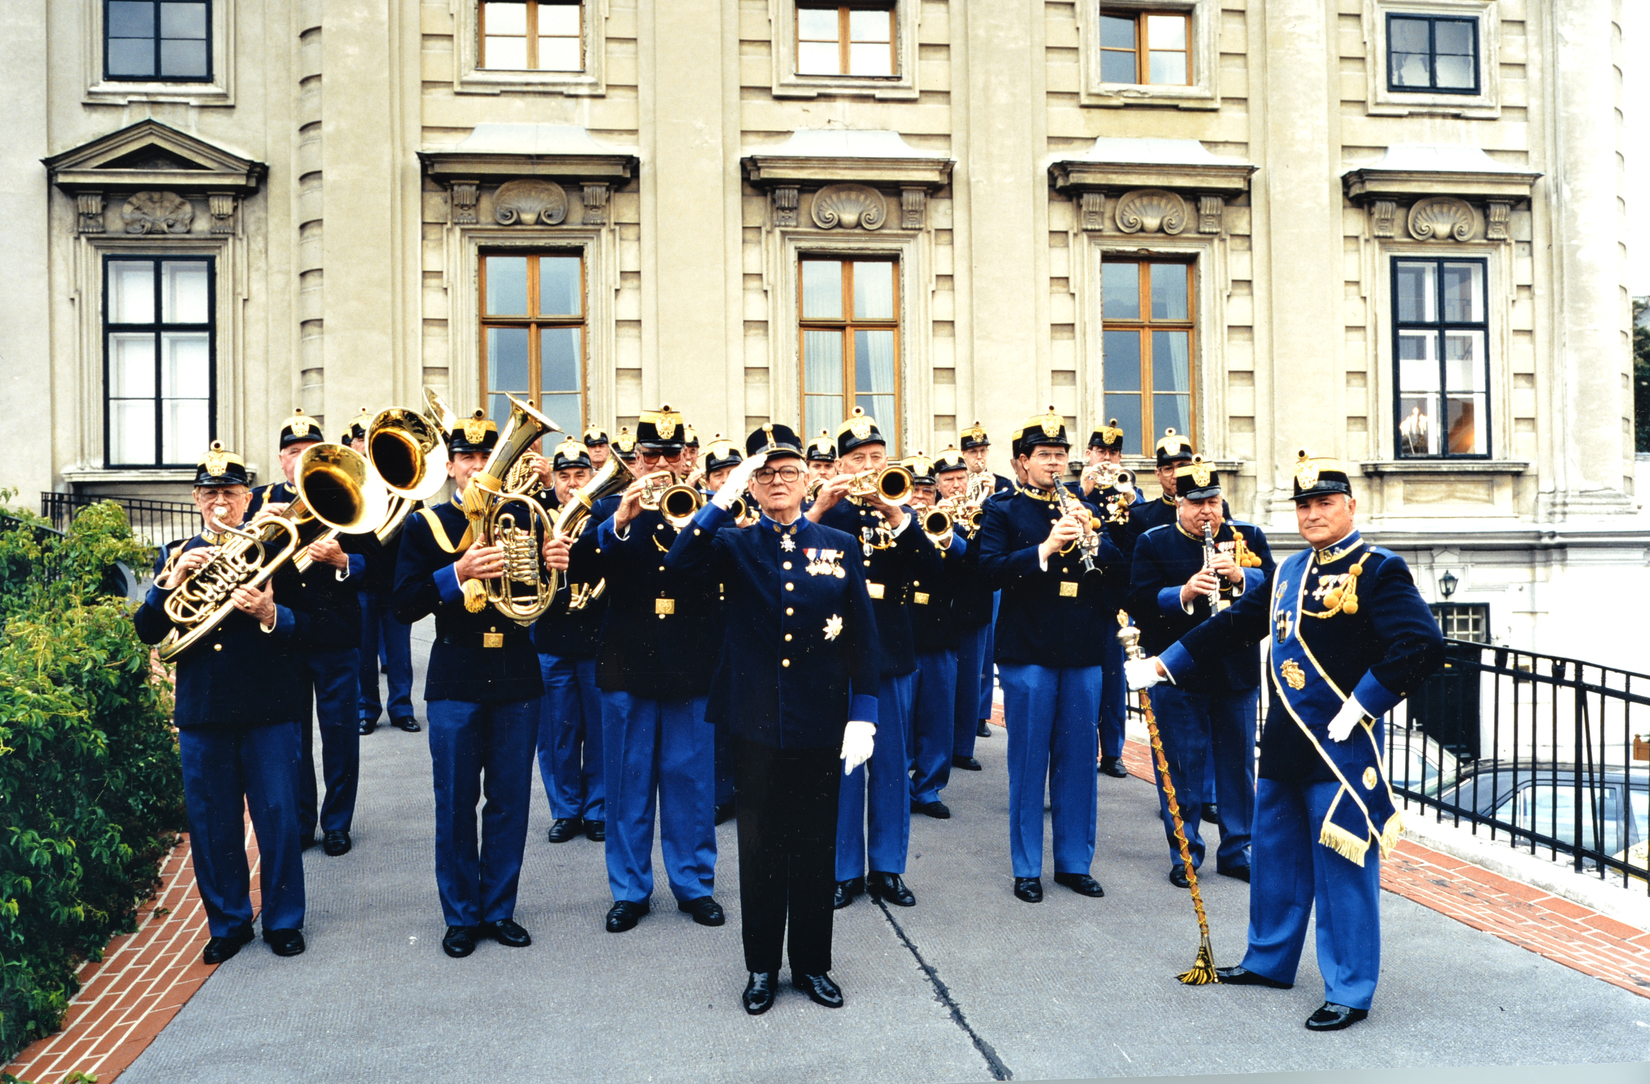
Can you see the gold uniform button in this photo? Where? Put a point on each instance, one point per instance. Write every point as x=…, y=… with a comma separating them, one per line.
x=786, y=566
x=790, y=587
x=789, y=611
x=784, y=662
x=217, y=647
x=787, y=637
x=661, y=568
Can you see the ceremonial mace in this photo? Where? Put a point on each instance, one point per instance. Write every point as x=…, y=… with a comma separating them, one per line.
x=1203, y=970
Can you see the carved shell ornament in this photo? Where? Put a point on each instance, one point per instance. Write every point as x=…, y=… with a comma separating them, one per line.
x=849, y=206
x=1442, y=218
x=157, y=212
x=1151, y=210
x=530, y=202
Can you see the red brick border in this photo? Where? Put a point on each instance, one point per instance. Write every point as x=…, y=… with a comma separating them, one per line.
x=142, y=981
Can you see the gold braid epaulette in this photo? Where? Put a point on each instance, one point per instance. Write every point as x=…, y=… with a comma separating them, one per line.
x=1344, y=598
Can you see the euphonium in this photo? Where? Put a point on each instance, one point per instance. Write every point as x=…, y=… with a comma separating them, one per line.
x=493, y=500
x=892, y=483
x=409, y=452
x=337, y=492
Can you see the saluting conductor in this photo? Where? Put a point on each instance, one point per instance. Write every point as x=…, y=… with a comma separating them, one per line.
x=1351, y=637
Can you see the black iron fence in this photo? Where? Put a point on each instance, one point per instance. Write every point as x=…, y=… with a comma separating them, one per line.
x=155, y=522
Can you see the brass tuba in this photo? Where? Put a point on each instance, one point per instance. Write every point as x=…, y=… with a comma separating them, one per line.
x=409, y=452
x=503, y=512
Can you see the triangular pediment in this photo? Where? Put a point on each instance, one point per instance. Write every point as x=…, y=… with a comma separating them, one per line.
x=150, y=154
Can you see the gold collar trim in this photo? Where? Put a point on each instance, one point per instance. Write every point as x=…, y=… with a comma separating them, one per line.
x=1338, y=551
x=1048, y=497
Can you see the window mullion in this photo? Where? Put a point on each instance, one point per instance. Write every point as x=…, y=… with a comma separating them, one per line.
x=160, y=414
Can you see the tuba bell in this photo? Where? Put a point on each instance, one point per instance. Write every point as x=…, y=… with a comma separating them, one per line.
x=409, y=452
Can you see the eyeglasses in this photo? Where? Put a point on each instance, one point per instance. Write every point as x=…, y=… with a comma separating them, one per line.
x=784, y=474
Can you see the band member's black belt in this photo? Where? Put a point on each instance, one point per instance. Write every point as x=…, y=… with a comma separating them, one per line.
x=483, y=639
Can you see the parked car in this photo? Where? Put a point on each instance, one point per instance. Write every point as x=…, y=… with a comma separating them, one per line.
x=1541, y=799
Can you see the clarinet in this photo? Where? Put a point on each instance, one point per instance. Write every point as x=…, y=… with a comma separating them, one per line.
x=1216, y=603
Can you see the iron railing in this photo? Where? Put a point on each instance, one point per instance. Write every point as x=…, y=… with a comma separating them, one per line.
x=154, y=522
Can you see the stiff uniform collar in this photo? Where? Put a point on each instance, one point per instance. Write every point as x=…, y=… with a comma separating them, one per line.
x=1197, y=537
x=1047, y=497
x=1345, y=547
x=1166, y=499
x=212, y=538
x=792, y=528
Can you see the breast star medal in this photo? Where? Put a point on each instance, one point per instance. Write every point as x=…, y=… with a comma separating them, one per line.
x=833, y=627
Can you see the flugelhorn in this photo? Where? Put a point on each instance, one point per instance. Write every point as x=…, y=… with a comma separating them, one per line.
x=502, y=511
x=893, y=483
x=937, y=524
x=677, y=501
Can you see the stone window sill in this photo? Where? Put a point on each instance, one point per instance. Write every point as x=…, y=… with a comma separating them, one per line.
x=1444, y=466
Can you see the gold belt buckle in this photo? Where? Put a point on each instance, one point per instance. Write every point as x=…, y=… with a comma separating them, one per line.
x=1068, y=589
x=492, y=639
x=874, y=590
x=920, y=598
x=663, y=606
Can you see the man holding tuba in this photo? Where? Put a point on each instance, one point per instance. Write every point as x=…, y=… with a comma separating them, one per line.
x=332, y=653
x=481, y=696
x=239, y=752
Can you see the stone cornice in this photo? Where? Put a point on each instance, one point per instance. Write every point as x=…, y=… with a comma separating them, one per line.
x=1452, y=466
x=1183, y=165
x=765, y=171
x=493, y=152
x=1412, y=171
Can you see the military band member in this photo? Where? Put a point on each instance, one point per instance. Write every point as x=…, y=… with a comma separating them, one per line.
x=690, y=445
x=1050, y=626
x=595, y=439
x=239, y=752
x=624, y=446
x=794, y=686
x=570, y=717
x=971, y=613
x=822, y=455
x=658, y=647
x=332, y=654
x=481, y=696
x=1210, y=714
x=976, y=449
x=721, y=457
x=1173, y=452
x=1106, y=447
x=1351, y=638
x=934, y=637
x=874, y=818
x=383, y=639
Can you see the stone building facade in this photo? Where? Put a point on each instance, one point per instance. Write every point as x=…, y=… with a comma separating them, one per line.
x=1390, y=230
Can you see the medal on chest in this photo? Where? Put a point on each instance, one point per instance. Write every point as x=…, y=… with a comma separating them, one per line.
x=822, y=562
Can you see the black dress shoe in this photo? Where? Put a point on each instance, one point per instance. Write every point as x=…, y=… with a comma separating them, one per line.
x=938, y=810
x=967, y=764
x=820, y=989
x=1211, y=813
x=1080, y=883
x=219, y=949
x=1240, y=873
x=846, y=891
x=506, y=931
x=1238, y=976
x=724, y=812
x=407, y=723
x=563, y=829
x=1029, y=889
x=1333, y=1017
x=595, y=831
x=758, y=996
x=624, y=914
x=705, y=911
x=336, y=843
x=888, y=886
x=285, y=942
x=984, y=730
x=1113, y=766
x=1178, y=878
x=459, y=942
x=368, y=726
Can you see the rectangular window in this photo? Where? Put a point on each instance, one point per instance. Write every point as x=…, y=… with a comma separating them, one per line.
x=152, y=40
x=1441, y=343
x=1146, y=48
x=158, y=360
x=844, y=39
x=532, y=35
x=1148, y=338
x=849, y=335
x=533, y=334
x=1432, y=53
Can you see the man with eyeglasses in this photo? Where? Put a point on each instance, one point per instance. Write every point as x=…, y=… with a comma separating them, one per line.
x=795, y=687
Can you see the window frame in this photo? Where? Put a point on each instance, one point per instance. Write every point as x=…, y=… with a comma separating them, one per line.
x=1432, y=19
x=1144, y=325
x=533, y=322
x=1440, y=326
x=1201, y=91
x=160, y=79
x=469, y=77
x=158, y=327
x=532, y=37
x=844, y=40
x=902, y=85
x=1142, y=49
x=894, y=429
x=1385, y=102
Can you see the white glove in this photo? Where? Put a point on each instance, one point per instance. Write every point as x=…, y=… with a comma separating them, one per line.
x=1350, y=715
x=857, y=741
x=1141, y=673
x=736, y=481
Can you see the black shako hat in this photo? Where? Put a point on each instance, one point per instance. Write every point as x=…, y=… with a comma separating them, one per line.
x=1196, y=480
x=1044, y=429
x=721, y=453
x=661, y=431
x=594, y=436
x=477, y=433
x=299, y=429
x=774, y=441
x=822, y=449
x=1173, y=448
x=974, y=437
x=949, y=460
x=1108, y=437
x=570, y=454
x=921, y=468
x=220, y=467
x=858, y=430
x=1317, y=475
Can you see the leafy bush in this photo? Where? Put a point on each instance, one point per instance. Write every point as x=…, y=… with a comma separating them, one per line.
x=91, y=794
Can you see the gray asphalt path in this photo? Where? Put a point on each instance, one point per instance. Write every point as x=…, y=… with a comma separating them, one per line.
x=968, y=985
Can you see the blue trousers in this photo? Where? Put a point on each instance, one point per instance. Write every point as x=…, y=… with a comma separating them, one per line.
x=224, y=772
x=659, y=754
x=478, y=749
x=873, y=821
x=1292, y=873
x=988, y=667
x=1203, y=734
x=570, y=738
x=333, y=675
x=934, y=724
x=973, y=659
x=1050, y=714
x=382, y=634
x=1114, y=706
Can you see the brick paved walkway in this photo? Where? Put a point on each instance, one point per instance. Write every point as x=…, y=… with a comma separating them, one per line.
x=142, y=981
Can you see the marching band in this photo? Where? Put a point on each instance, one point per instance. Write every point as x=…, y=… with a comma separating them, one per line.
x=802, y=634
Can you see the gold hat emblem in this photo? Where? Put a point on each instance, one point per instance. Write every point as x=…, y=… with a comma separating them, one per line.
x=299, y=424
x=475, y=428
x=1200, y=471
x=974, y=432
x=626, y=440
x=1306, y=471
x=571, y=449
x=1051, y=424
x=666, y=422
x=859, y=425
x=1111, y=434
x=217, y=460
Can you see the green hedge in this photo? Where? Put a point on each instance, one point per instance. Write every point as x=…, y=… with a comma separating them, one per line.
x=91, y=794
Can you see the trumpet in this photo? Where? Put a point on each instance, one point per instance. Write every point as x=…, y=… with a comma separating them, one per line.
x=502, y=511
x=677, y=501
x=574, y=517
x=938, y=525
x=744, y=510
x=892, y=483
